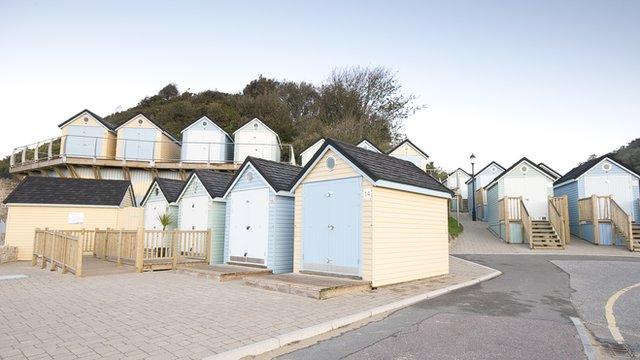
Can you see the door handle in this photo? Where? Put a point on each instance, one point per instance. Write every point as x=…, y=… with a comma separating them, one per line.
x=248, y=227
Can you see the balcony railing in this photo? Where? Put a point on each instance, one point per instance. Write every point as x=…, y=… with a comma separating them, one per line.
x=99, y=148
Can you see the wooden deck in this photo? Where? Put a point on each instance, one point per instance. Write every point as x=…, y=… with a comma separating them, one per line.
x=223, y=272
x=313, y=286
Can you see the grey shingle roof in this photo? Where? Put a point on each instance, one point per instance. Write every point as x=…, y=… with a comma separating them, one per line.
x=215, y=182
x=170, y=188
x=51, y=190
x=278, y=175
x=381, y=167
x=585, y=166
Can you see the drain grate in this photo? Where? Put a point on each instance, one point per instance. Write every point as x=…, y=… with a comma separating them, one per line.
x=13, y=277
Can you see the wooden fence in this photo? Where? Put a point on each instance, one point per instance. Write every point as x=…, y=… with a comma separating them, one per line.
x=512, y=209
x=597, y=209
x=58, y=249
x=561, y=204
x=144, y=249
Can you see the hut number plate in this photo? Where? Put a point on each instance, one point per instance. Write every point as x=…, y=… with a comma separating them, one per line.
x=366, y=194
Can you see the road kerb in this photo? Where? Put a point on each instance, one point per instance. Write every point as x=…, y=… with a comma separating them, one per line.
x=315, y=330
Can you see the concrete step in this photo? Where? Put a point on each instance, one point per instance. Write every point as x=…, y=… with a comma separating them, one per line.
x=312, y=286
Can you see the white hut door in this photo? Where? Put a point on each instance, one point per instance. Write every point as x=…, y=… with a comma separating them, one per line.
x=194, y=213
x=534, y=194
x=618, y=186
x=248, y=233
x=152, y=212
x=198, y=147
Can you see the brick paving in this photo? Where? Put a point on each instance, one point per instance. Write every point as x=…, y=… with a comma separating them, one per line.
x=477, y=239
x=165, y=315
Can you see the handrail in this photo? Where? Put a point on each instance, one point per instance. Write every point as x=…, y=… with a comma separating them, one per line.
x=526, y=223
x=557, y=222
x=622, y=221
x=109, y=148
x=60, y=250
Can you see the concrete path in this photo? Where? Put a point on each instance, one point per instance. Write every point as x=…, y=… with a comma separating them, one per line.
x=477, y=239
x=167, y=315
x=523, y=314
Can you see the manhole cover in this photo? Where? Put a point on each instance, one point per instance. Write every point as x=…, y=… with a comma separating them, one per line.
x=13, y=277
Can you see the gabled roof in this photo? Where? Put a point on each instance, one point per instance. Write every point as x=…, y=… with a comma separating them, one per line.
x=215, y=182
x=407, y=141
x=579, y=170
x=259, y=121
x=102, y=121
x=542, y=170
x=485, y=168
x=205, y=118
x=459, y=169
x=379, y=167
x=321, y=140
x=162, y=129
x=365, y=140
x=170, y=188
x=545, y=166
x=64, y=191
x=278, y=175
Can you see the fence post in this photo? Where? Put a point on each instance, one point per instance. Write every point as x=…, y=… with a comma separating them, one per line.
x=507, y=225
x=53, y=266
x=34, y=256
x=95, y=242
x=139, y=249
x=208, y=246
x=44, y=249
x=630, y=227
x=106, y=242
x=175, y=249
x=595, y=217
x=79, y=255
x=118, y=259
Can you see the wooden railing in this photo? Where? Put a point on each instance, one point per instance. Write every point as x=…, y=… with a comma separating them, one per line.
x=116, y=245
x=59, y=249
x=512, y=209
x=86, y=236
x=622, y=221
x=561, y=203
x=177, y=246
x=557, y=222
x=526, y=224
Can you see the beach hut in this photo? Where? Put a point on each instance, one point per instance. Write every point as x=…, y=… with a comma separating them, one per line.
x=140, y=139
x=206, y=142
x=201, y=207
x=368, y=145
x=456, y=182
x=259, y=223
x=604, y=201
x=518, y=203
x=67, y=204
x=161, y=199
x=308, y=153
x=407, y=150
x=86, y=134
x=256, y=139
x=371, y=216
x=476, y=192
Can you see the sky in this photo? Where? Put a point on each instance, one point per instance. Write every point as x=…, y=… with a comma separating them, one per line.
x=554, y=81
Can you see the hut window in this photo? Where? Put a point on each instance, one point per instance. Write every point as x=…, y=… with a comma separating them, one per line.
x=249, y=176
x=524, y=169
x=606, y=167
x=331, y=163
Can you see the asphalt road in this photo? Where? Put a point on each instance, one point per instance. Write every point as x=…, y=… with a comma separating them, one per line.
x=523, y=314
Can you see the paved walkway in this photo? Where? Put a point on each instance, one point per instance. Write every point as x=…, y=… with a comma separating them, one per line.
x=165, y=314
x=477, y=239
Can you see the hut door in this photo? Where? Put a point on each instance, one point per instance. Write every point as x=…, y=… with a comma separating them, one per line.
x=139, y=144
x=248, y=232
x=84, y=141
x=331, y=226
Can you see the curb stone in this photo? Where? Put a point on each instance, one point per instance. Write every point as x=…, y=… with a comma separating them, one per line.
x=279, y=341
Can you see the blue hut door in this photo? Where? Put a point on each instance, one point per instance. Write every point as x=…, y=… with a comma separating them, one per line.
x=84, y=141
x=331, y=226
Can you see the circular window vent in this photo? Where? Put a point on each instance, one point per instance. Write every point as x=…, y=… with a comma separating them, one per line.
x=255, y=125
x=524, y=168
x=331, y=163
x=140, y=121
x=204, y=123
x=249, y=176
x=606, y=167
x=493, y=169
x=86, y=119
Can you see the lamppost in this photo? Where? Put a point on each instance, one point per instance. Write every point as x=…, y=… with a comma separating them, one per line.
x=473, y=187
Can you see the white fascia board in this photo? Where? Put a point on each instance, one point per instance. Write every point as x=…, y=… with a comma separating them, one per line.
x=411, y=188
x=285, y=193
x=565, y=183
x=239, y=175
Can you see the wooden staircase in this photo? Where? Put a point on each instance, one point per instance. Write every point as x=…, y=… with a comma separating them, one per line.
x=543, y=236
x=635, y=239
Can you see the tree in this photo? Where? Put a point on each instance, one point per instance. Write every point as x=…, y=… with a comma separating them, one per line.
x=169, y=92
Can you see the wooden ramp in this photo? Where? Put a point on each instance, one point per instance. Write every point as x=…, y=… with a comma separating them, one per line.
x=222, y=272
x=313, y=286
